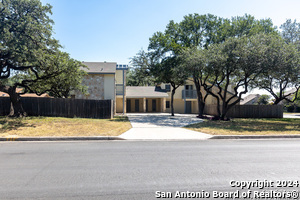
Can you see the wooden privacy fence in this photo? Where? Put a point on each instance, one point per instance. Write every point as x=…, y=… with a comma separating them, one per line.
x=59, y=107
x=249, y=111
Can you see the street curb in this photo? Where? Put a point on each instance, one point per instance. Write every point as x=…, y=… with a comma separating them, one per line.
x=95, y=138
x=254, y=136
x=60, y=138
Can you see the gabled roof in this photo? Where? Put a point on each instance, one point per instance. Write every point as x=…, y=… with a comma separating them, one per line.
x=144, y=91
x=100, y=67
x=249, y=98
x=292, y=92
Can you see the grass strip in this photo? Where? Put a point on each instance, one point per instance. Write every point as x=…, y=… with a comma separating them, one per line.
x=283, y=126
x=59, y=126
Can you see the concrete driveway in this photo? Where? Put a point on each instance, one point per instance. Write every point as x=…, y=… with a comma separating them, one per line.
x=291, y=115
x=162, y=126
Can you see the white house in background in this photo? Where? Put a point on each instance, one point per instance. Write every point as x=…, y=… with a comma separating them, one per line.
x=250, y=99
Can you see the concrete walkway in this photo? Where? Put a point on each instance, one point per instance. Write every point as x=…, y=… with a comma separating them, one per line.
x=162, y=126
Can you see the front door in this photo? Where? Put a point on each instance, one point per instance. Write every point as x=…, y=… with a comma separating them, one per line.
x=137, y=106
x=128, y=105
x=147, y=105
x=188, y=107
x=154, y=105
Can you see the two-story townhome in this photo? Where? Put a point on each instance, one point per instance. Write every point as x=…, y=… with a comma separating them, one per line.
x=185, y=98
x=158, y=98
x=104, y=80
x=107, y=80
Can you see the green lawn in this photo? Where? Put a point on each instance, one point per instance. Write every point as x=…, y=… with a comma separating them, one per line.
x=59, y=126
x=248, y=127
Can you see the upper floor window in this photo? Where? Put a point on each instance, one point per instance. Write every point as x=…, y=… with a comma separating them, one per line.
x=119, y=89
x=188, y=87
x=168, y=88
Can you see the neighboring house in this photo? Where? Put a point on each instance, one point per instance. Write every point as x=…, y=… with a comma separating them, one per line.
x=290, y=97
x=292, y=92
x=250, y=99
x=19, y=90
x=107, y=80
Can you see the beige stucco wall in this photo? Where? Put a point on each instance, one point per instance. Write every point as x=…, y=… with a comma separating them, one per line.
x=109, y=86
x=163, y=105
x=194, y=107
x=119, y=102
x=178, y=106
x=210, y=100
x=119, y=76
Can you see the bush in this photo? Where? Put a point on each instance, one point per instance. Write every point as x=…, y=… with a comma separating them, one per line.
x=290, y=107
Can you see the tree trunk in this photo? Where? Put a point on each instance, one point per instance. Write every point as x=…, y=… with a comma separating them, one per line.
x=201, y=106
x=222, y=116
x=224, y=110
x=277, y=100
x=201, y=102
x=172, y=101
x=16, y=108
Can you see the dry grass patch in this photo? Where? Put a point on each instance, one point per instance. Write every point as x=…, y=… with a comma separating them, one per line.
x=59, y=126
x=248, y=127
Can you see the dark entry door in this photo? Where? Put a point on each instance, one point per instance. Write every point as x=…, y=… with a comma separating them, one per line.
x=147, y=103
x=137, y=106
x=188, y=107
x=128, y=105
x=154, y=105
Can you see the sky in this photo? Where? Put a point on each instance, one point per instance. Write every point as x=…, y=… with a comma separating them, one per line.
x=115, y=30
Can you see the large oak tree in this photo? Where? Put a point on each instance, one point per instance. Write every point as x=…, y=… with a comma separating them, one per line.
x=235, y=63
x=29, y=56
x=139, y=71
x=282, y=70
x=197, y=32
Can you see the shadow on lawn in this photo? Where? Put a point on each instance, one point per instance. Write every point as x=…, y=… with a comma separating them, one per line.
x=8, y=124
x=119, y=119
x=252, y=125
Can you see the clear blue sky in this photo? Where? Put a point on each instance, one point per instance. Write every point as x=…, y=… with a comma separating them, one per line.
x=115, y=30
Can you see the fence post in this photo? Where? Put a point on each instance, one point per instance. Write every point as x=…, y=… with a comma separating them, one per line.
x=111, y=109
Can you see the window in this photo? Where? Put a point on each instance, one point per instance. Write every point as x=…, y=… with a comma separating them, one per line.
x=168, y=88
x=167, y=104
x=188, y=87
x=119, y=89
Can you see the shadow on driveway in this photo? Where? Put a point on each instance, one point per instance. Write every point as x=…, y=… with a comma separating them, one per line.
x=162, y=119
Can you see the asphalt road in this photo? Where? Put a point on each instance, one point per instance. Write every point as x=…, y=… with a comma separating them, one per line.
x=136, y=170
